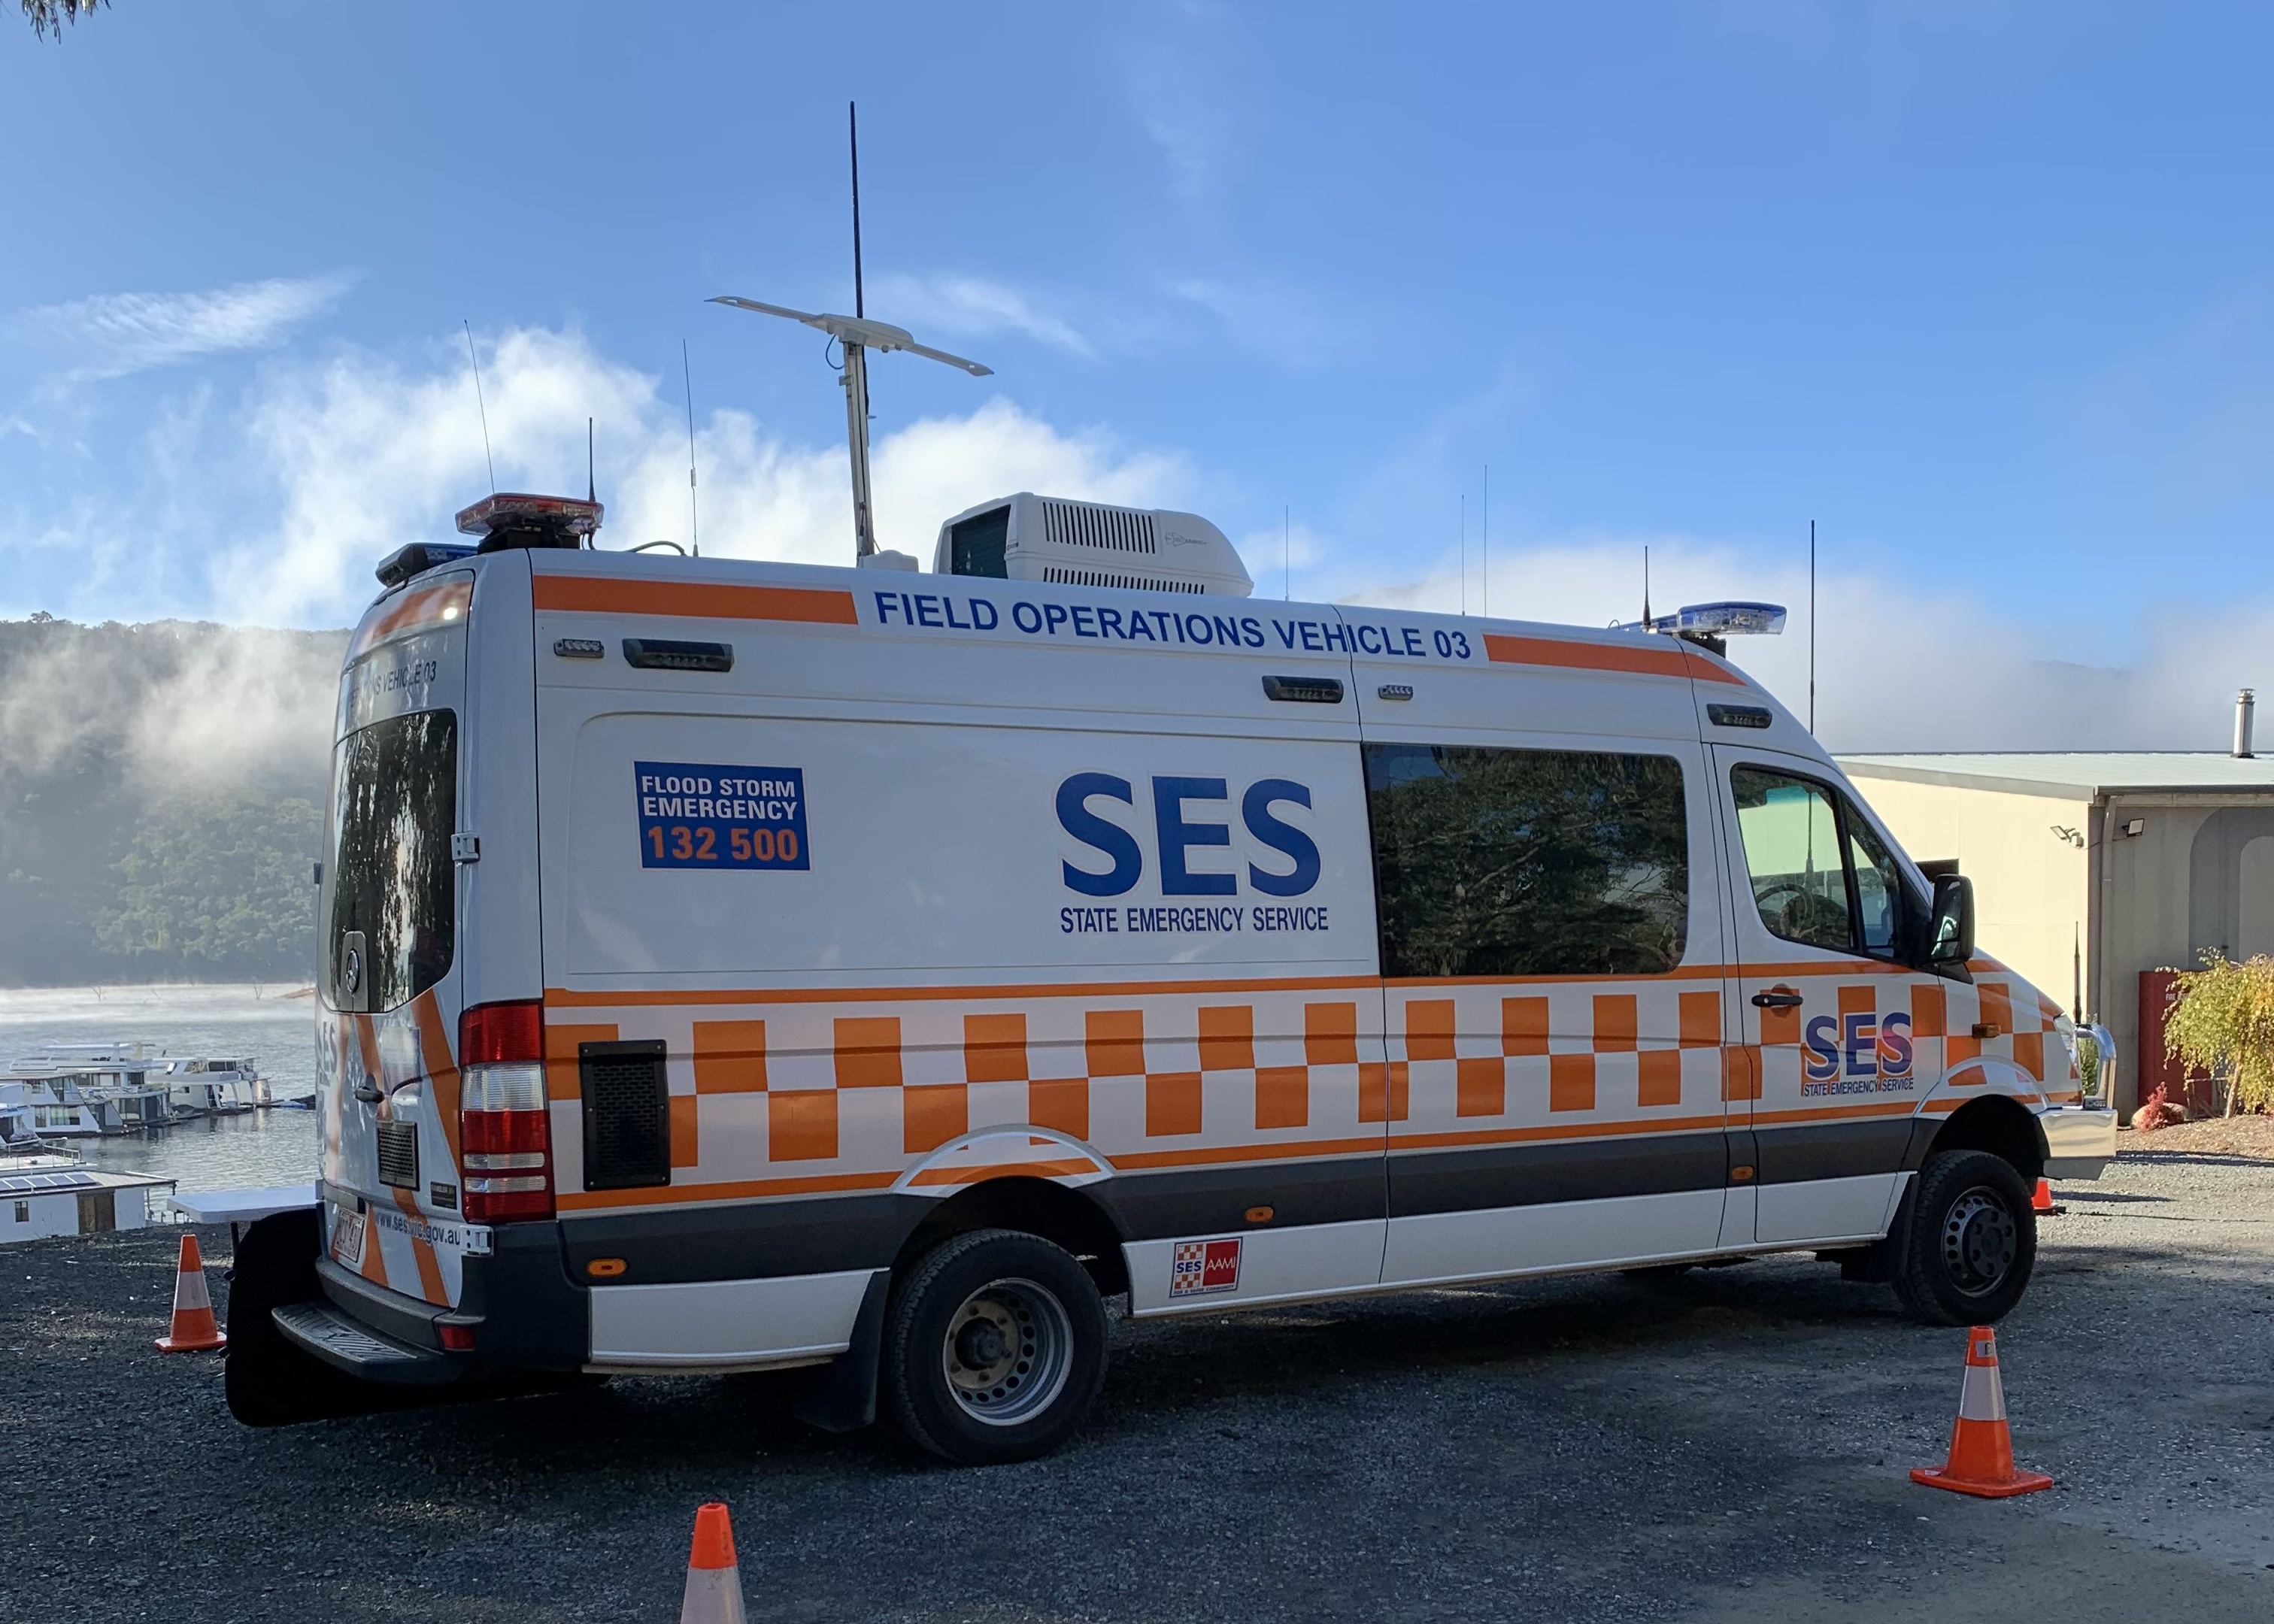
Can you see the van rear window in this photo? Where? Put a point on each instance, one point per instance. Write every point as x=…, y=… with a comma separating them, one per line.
x=1528, y=862
x=394, y=806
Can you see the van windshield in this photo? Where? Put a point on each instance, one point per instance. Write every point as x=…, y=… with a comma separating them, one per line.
x=394, y=804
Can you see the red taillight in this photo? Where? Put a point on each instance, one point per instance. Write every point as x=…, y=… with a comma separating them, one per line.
x=456, y=1338
x=504, y=1135
x=490, y=1033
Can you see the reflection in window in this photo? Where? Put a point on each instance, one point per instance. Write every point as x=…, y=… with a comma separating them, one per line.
x=1528, y=862
x=394, y=804
x=1879, y=889
x=1791, y=837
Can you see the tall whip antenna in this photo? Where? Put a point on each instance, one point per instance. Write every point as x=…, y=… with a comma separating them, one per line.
x=858, y=335
x=1464, y=553
x=694, y=521
x=1487, y=540
x=852, y=129
x=1287, y=552
x=1811, y=628
x=481, y=404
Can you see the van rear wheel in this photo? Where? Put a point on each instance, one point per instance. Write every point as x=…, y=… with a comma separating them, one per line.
x=1973, y=1241
x=994, y=1347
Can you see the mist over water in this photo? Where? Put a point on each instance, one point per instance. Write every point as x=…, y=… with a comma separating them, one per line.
x=257, y=1022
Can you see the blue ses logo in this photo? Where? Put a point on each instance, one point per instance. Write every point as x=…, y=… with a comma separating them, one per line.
x=1857, y=1052
x=1180, y=822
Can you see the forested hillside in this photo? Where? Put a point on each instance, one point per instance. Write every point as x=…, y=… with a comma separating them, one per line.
x=161, y=791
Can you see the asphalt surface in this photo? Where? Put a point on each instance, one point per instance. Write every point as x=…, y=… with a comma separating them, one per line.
x=1730, y=1444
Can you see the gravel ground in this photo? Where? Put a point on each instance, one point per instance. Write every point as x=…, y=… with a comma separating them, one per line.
x=1730, y=1445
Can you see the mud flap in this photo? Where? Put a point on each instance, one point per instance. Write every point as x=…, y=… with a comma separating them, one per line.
x=268, y=1380
x=1881, y=1263
x=841, y=1396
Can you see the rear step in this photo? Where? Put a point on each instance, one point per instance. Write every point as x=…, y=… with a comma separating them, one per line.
x=322, y=1330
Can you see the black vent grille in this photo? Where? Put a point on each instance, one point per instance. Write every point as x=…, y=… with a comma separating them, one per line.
x=398, y=1155
x=670, y=654
x=1078, y=524
x=1739, y=716
x=1306, y=690
x=626, y=1115
x=1107, y=577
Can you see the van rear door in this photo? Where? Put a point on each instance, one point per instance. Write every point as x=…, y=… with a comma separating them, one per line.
x=389, y=916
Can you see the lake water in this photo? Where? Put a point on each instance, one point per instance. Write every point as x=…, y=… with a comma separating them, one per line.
x=262, y=1021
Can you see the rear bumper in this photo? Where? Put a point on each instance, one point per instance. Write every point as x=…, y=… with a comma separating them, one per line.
x=347, y=1344
x=2079, y=1141
x=523, y=1311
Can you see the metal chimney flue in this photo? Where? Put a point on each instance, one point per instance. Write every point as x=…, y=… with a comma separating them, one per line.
x=2245, y=703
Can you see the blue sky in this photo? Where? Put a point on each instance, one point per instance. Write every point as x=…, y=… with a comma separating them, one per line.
x=1985, y=290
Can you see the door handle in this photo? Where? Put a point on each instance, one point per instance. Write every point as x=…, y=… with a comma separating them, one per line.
x=368, y=1092
x=1777, y=998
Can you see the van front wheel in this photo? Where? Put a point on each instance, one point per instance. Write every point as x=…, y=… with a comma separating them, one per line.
x=1973, y=1241
x=994, y=1347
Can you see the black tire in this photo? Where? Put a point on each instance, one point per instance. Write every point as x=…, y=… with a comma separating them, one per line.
x=994, y=1349
x=1972, y=1244
x=268, y=1380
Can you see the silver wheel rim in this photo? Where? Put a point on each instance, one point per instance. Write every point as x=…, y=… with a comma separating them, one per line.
x=1981, y=1243
x=1008, y=1351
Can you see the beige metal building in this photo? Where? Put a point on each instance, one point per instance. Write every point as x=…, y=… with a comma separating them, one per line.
x=2089, y=869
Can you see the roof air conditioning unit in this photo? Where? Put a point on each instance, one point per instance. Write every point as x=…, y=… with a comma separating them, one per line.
x=1030, y=537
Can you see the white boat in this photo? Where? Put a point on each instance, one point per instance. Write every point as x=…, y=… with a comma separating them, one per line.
x=200, y=1086
x=76, y=1090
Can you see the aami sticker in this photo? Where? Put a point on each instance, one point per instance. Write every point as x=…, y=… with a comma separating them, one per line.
x=1202, y=1267
x=698, y=816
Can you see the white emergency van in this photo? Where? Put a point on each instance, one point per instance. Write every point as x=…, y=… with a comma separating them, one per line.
x=735, y=967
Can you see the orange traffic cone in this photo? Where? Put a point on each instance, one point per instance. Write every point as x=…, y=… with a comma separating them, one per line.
x=193, y=1330
x=1981, y=1447
x=714, y=1584
x=2042, y=1202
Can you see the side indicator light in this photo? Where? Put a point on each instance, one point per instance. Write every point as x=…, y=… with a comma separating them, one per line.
x=1259, y=1215
x=606, y=1268
x=1741, y=1173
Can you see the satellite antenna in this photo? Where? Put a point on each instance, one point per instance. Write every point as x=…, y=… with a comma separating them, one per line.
x=858, y=334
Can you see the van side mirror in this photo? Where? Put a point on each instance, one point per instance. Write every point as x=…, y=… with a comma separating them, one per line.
x=1950, y=927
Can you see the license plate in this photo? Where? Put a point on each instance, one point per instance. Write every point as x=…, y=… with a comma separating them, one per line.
x=349, y=1233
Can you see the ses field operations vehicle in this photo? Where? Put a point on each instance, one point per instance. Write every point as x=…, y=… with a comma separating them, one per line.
x=735, y=967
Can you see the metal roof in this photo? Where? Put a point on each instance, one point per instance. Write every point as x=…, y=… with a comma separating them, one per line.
x=2078, y=774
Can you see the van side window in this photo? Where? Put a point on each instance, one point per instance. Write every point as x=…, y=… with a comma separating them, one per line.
x=1879, y=888
x=394, y=806
x=1791, y=836
x=1528, y=862
x=1821, y=874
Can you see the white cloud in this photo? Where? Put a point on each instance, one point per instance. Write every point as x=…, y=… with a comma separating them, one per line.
x=1272, y=318
x=975, y=307
x=1900, y=664
x=1177, y=96
x=112, y=335
x=369, y=454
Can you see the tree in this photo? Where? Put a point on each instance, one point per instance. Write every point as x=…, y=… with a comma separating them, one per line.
x=2222, y=1021
x=50, y=16
x=216, y=884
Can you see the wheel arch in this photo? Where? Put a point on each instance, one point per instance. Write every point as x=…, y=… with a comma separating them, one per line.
x=1998, y=1125
x=1065, y=1217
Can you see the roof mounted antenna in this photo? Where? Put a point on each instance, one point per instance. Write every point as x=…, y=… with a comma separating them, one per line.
x=694, y=520
x=480, y=402
x=858, y=334
x=591, y=483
